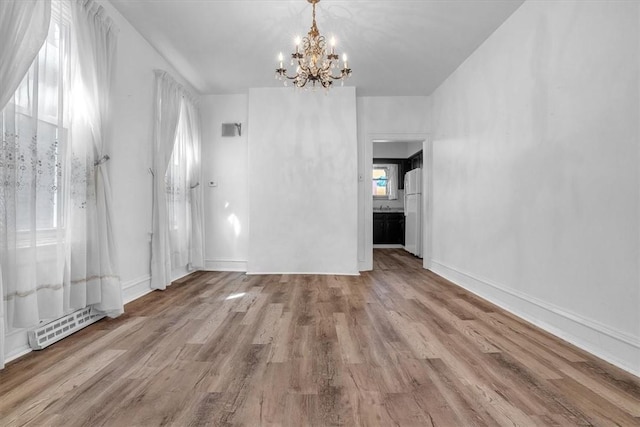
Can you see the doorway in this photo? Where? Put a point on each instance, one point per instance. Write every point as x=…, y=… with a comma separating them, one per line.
x=380, y=146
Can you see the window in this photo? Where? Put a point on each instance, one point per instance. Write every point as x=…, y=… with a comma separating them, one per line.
x=380, y=181
x=34, y=129
x=181, y=181
x=178, y=187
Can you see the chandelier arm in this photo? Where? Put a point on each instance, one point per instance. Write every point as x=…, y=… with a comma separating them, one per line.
x=282, y=72
x=289, y=77
x=342, y=75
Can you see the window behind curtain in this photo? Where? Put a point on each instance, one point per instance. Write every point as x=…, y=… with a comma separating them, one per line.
x=34, y=134
x=380, y=182
x=178, y=194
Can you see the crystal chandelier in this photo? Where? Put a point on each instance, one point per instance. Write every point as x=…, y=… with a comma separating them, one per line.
x=313, y=63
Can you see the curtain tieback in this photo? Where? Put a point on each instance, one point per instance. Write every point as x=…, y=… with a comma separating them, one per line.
x=195, y=185
x=101, y=160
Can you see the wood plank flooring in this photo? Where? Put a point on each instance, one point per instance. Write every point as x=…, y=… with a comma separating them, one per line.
x=398, y=346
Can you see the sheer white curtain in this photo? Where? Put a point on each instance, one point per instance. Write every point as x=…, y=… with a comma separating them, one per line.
x=24, y=26
x=178, y=195
x=392, y=183
x=183, y=190
x=192, y=124
x=32, y=141
x=93, y=270
x=168, y=101
x=177, y=209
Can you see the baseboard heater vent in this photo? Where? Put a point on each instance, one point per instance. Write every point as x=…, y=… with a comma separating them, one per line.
x=45, y=335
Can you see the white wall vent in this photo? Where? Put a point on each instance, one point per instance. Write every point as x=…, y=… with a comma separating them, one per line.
x=45, y=335
x=231, y=129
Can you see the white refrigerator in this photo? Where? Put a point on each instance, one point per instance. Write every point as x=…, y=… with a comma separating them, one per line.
x=413, y=212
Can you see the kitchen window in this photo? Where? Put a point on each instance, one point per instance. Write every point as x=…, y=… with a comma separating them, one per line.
x=385, y=181
x=380, y=188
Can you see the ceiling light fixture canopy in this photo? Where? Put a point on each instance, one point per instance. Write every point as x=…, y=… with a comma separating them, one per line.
x=313, y=63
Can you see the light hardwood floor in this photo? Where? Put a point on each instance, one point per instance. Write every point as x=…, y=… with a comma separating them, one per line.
x=398, y=346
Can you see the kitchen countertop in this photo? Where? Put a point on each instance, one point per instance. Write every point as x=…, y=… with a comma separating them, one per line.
x=388, y=210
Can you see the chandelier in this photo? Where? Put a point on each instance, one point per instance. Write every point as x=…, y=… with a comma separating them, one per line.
x=313, y=63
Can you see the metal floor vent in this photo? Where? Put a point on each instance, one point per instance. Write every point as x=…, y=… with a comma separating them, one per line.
x=47, y=334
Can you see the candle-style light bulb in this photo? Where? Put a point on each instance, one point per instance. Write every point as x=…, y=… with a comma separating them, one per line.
x=280, y=58
x=333, y=45
x=297, y=42
x=344, y=60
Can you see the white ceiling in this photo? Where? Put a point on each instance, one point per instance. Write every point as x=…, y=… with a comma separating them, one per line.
x=395, y=47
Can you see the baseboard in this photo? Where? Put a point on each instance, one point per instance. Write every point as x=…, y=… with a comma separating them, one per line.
x=136, y=288
x=16, y=345
x=616, y=347
x=364, y=266
x=180, y=272
x=17, y=353
x=323, y=273
x=225, y=265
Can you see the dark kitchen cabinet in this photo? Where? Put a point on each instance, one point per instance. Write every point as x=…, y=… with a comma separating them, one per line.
x=395, y=228
x=415, y=161
x=379, y=228
x=388, y=228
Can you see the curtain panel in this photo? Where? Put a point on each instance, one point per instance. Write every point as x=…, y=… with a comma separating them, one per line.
x=392, y=184
x=94, y=257
x=168, y=102
x=24, y=26
x=177, y=204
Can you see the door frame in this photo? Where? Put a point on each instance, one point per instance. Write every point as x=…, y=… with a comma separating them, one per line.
x=366, y=264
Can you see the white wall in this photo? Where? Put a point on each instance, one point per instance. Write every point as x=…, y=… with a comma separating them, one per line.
x=390, y=150
x=302, y=181
x=224, y=161
x=398, y=117
x=396, y=149
x=413, y=148
x=131, y=153
x=536, y=185
x=382, y=117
